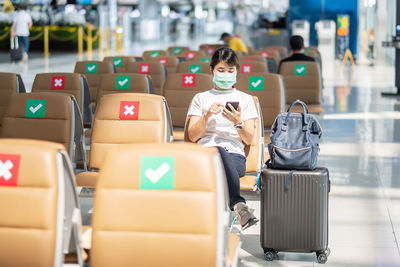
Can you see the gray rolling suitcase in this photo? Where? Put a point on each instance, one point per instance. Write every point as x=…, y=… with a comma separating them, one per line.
x=294, y=212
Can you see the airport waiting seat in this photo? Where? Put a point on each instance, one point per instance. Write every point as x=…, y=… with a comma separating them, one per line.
x=209, y=49
x=282, y=50
x=120, y=62
x=253, y=67
x=123, y=119
x=44, y=116
x=193, y=67
x=39, y=216
x=153, y=53
x=93, y=71
x=10, y=84
x=124, y=83
x=156, y=70
x=67, y=83
x=273, y=59
x=179, y=90
x=206, y=59
x=302, y=80
x=167, y=200
x=251, y=59
x=191, y=54
x=175, y=50
x=170, y=63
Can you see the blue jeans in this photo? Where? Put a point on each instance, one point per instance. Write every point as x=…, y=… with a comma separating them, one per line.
x=235, y=167
x=24, y=40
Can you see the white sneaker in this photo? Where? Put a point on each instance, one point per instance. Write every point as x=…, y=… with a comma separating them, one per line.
x=25, y=57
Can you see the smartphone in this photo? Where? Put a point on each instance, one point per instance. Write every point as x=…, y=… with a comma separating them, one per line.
x=234, y=104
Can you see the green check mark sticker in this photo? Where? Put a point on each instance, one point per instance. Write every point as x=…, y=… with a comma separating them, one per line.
x=204, y=59
x=123, y=83
x=194, y=68
x=177, y=50
x=117, y=61
x=35, y=108
x=157, y=173
x=256, y=83
x=300, y=70
x=91, y=68
x=154, y=54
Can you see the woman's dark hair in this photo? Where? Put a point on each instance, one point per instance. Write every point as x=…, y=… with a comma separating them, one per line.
x=226, y=55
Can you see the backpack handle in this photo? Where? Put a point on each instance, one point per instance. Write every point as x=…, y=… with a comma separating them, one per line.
x=305, y=111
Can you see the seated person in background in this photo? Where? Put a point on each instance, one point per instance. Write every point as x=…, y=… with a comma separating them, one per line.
x=212, y=124
x=297, y=46
x=234, y=43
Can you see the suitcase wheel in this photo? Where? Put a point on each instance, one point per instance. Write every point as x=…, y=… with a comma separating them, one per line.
x=271, y=255
x=322, y=257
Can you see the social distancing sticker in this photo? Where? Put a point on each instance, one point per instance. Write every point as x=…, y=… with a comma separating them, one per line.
x=188, y=80
x=300, y=70
x=129, y=110
x=205, y=59
x=163, y=61
x=154, y=54
x=247, y=68
x=177, y=50
x=190, y=55
x=144, y=68
x=193, y=68
x=117, y=61
x=91, y=68
x=58, y=82
x=35, y=108
x=157, y=173
x=9, y=169
x=123, y=83
x=256, y=83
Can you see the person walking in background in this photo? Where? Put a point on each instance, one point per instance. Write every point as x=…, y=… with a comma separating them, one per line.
x=234, y=43
x=21, y=24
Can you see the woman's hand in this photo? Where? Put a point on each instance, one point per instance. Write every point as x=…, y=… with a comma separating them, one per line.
x=233, y=115
x=214, y=109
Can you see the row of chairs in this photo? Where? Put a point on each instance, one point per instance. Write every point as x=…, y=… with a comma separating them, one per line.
x=40, y=223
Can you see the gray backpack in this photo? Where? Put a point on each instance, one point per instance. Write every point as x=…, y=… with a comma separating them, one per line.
x=294, y=140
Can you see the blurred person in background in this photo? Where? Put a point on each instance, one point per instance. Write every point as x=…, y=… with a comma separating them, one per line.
x=297, y=47
x=234, y=43
x=22, y=22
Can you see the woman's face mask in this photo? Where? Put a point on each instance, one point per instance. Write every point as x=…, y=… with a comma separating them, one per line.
x=224, y=80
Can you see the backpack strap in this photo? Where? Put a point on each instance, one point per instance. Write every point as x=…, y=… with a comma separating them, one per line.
x=288, y=179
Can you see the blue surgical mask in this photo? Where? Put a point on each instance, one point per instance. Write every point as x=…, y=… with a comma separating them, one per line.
x=224, y=80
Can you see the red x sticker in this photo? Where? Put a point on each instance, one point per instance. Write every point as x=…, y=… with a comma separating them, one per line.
x=188, y=80
x=190, y=55
x=163, y=61
x=129, y=110
x=210, y=50
x=9, y=169
x=247, y=68
x=264, y=54
x=144, y=68
x=58, y=82
x=249, y=59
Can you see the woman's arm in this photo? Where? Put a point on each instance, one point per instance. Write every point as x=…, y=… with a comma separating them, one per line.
x=247, y=132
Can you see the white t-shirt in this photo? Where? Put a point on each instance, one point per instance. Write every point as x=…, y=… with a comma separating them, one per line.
x=219, y=130
x=22, y=20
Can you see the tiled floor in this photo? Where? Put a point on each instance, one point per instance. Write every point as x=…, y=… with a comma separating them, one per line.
x=361, y=148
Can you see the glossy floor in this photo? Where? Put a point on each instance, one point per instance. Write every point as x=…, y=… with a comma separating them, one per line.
x=361, y=148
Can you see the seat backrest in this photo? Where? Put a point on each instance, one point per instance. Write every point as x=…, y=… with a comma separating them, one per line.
x=191, y=54
x=209, y=49
x=39, y=204
x=170, y=62
x=283, y=51
x=10, y=84
x=193, y=67
x=302, y=81
x=154, y=53
x=255, y=151
x=93, y=71
x=156, y=70
x=128, y=118
x=179, y=90
x=192, y=184
x=269, y=90
x=45, y=116
x=206, y=59
x=123, y=83
x=268, y=54
x=252, y=67
x=175, y=50
x=120, y=62
x=250, y=59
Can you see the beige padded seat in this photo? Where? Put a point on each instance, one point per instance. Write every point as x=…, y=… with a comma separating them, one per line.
x=282, y=50
x=51, y=117
x=120, y=62
x=170, y=62
x=93, y=71
x=10, y=84
x=153, y=53
x=125, y=119
x=252, y=67
x=178, y=219
x=193, y=67
x=67, y=83
x=179, y=90
x=156, y=70
x=268, y=54
x=269, y=90
x=175, y=50
x=39, y=214
x=123, y=83
x=302, y=81
x=202, y=59
x=249, y=59
x=209, y=49
x=191, y=54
